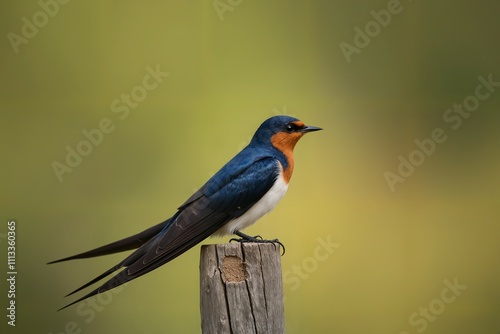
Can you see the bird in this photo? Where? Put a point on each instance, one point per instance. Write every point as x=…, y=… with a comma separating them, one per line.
x=246, y=188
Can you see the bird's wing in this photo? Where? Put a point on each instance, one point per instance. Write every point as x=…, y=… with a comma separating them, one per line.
x=215, y=204
x=132, y=242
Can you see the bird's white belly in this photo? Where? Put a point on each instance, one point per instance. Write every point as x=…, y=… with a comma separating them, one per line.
x=265, y=205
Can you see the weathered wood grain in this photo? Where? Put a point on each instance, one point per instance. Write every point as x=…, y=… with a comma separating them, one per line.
x=241, y=289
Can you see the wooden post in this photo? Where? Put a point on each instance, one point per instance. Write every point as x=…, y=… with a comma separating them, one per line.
x=241, y=290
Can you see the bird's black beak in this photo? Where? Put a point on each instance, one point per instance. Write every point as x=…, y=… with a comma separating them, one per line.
x=309, y=128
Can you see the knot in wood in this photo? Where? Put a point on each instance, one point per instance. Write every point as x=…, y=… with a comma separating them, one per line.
x=233, y=269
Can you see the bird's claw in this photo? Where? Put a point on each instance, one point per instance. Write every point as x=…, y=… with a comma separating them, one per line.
x=257, y=239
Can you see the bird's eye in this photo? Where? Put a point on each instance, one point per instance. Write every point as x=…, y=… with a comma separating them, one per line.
x=290, y=128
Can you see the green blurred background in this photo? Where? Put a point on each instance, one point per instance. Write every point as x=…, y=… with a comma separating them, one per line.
x=231, y=65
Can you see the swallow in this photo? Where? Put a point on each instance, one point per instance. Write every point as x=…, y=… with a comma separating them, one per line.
x=246, y=188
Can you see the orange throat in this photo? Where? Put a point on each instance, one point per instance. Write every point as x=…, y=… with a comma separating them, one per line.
x=285, y=142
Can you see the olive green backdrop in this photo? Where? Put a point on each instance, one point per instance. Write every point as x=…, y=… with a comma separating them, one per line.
x=391, y=221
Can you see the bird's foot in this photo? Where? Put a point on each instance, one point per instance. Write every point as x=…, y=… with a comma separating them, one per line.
x=257, y=239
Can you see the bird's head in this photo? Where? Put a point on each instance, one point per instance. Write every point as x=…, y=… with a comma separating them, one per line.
x=282, y=132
